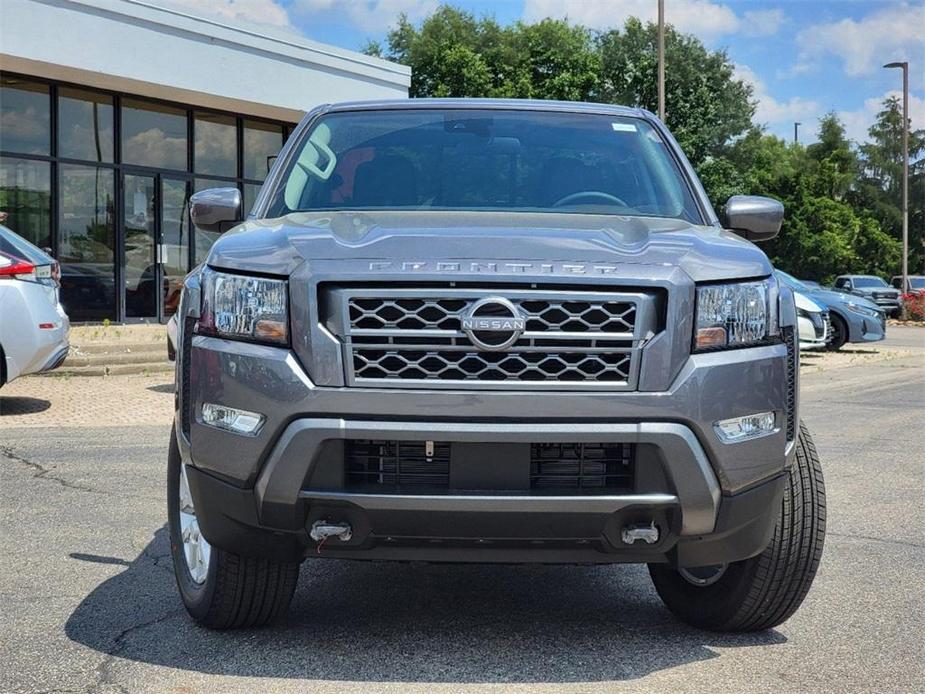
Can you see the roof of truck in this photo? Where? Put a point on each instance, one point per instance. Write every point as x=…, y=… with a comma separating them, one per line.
x=492, y=104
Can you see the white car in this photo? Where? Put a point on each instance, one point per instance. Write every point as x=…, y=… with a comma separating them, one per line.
x=813, y=322
x=33, y=326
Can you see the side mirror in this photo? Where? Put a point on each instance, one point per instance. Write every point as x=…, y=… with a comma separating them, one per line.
x=216, y=209
x=753, y=217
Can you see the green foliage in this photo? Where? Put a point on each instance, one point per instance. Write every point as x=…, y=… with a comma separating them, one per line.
x=705, y=105
x=879, y=188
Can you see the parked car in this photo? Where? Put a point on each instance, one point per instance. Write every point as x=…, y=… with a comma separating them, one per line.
x=853, y=318
x=490, y=331
x=33, y=326
x=812, y=321
x=915, y=283
x=871, y=287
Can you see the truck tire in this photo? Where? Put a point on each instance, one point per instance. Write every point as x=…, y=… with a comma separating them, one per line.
x=764, y=591
x=227, y=590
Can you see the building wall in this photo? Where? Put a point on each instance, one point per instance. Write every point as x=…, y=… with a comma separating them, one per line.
x=131, y=46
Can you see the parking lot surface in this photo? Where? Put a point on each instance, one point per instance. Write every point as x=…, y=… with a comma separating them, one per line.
x=88, y=602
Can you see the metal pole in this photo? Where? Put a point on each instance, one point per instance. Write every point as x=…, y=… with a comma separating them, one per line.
x=661, y=59
x=905, y=177
x=796, y=132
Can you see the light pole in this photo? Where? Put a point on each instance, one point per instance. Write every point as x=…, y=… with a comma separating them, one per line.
x=796, y=131
x=905, y=68
x=661, y=59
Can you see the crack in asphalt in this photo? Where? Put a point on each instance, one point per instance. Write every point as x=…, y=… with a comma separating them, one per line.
x=104, y=668
x=43, y=473
x=854, y=536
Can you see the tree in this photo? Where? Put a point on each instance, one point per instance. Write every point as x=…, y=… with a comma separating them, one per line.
x=879, y=188
x=705, y=105
x=838, y=163
x=454, y=54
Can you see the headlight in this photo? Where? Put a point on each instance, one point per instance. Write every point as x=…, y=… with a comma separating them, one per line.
x=735, y=315
x=244, y=308
x=862, y=310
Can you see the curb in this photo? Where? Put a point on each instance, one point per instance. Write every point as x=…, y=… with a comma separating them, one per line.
x=110, y=370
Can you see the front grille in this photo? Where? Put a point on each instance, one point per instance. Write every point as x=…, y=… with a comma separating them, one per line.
x=491, y=366
x=606, y=317
x=378, y=466
x=792, y=366
x=396, y=464
x=399, y=337
x=581, y=466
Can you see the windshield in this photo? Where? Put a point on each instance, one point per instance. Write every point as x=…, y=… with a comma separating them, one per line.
x=869, y=282
x=12, y=243
x=438, y=159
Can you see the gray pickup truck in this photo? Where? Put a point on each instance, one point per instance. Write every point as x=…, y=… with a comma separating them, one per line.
x=490, y=331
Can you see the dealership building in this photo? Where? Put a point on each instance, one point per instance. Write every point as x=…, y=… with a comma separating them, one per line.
x=113, y=112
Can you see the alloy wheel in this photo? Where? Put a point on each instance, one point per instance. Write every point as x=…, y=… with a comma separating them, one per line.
x=196, y=548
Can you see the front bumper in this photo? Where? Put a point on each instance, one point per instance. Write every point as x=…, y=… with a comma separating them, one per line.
x=715, y=502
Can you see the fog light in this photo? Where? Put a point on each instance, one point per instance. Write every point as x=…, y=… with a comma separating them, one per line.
x=231, y=419
x=751, y=426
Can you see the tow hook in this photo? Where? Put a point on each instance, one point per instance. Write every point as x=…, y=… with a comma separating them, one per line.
x=646, y=533
x=323, y=529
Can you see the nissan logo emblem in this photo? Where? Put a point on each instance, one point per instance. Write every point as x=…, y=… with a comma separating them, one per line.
x=493, y=324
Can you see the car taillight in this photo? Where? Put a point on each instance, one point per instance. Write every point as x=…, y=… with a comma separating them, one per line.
x=15, y=268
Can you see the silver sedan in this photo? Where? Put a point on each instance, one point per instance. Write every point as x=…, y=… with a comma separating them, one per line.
x=33, y=326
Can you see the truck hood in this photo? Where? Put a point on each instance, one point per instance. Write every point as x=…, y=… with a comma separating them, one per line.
x=507, y=241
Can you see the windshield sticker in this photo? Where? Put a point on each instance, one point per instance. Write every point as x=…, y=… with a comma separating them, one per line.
x=623, y=127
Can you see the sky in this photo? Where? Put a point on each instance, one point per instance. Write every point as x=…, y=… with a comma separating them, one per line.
x=804, y=58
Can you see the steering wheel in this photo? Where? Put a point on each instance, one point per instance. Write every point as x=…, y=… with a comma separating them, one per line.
x=568, y=199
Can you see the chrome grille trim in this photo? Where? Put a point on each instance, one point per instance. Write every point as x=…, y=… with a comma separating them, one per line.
x=603, y=330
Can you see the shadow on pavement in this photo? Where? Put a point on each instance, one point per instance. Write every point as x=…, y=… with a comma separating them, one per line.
x=22, y=405
x=387, y=622
x=163, y=388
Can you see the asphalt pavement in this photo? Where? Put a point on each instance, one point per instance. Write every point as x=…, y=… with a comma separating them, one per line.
x=88, y=601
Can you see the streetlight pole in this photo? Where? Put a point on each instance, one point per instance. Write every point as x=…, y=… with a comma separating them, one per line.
x=796, y=132
x=661, y=59
x=905, y=68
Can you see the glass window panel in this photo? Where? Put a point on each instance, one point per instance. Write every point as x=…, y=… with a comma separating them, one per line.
x=205, y=239
x=216, y=148
x=154, y=135
x=261, y=141
x=85, y=125
x=25, y=196
x=175, y=224
x=86, y=215
x=25, y=116
x=250, y=196
x=139, y=268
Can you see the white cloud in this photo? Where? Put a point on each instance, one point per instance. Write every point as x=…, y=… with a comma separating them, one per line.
x=769, y=110
x=858, y=122
x=368, y=15
x=762, y=22
x=703, y=18
x=248, y=13
x=888, y=34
